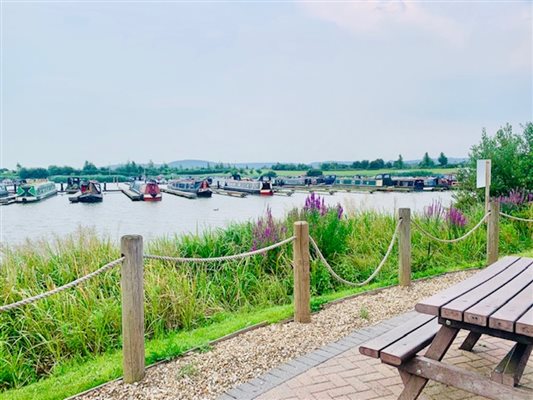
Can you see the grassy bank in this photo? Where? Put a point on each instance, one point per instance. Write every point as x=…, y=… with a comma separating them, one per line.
x=74, y=337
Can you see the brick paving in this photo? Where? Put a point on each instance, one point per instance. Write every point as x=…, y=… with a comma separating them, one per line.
x=338, y=371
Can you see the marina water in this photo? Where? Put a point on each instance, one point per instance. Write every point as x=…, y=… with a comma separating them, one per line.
x=117, y=215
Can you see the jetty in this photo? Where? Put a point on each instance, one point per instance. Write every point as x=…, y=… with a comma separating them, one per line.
x=283, y=193
x=131, y=194
x=229, y=193
x=187, y=195
x=4, y=201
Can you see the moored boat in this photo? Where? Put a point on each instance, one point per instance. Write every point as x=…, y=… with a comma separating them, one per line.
x=3, y=191
x=263, y=188
x=200, y=188
x=31, y=192
x=148, y=190
x=73, y=185
x=90, y=192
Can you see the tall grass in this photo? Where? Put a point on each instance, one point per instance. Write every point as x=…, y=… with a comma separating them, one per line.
x=82, y=323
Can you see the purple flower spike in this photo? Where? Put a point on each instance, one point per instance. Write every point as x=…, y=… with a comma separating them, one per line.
x=456, y=218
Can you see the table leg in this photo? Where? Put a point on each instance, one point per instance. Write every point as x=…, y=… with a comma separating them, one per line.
x=470, y=341
x=510, y=369
x=436, y=351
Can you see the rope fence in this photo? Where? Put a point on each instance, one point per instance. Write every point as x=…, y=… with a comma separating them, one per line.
x=59, y=289
x=429, y=235
x=132, y=275
x=221, y=258
x=372, y=276
x=515, y=218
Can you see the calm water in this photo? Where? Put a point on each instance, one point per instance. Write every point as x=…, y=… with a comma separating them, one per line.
x=117, y=215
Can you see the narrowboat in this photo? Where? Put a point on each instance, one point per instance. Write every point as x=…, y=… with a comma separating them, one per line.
x=90, y=192
x=31, y=192
x=409, y=183
x=263, y=188
x=200, y=188
x=292, y=181
x=73, y=185
x=305, y=180
x=3, y=191
x=380, y=180
x=149, y=191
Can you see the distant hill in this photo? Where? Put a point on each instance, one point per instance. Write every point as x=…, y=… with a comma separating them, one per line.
x=203, y=163
x=190, y=163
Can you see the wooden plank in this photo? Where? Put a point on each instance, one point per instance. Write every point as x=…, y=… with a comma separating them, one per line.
x=456, y=308
x=440, y=345
x=524, y=325
x=432, y=305
x=510, y=369
x=469, y=381
x=470, y=341
x=479, y=313
x=485, y=330
x=409, y=345
x=373, y=347
x=506, y=317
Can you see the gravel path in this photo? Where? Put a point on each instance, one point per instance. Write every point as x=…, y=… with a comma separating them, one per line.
x=242, y=358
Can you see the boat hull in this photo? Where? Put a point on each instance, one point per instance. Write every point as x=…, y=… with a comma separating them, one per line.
x=262, y=192
x=33, y=199
x=89, y=198
x=205, y=193
x=148, y=197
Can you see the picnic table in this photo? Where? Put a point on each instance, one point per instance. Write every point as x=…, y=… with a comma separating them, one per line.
x=497, y=301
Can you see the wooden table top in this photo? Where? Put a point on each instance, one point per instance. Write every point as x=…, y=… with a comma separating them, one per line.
x=499, y=297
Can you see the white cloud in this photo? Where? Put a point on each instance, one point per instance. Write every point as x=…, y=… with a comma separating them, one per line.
x=377, y=16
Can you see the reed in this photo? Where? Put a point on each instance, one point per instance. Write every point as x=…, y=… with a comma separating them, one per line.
x=82, y=323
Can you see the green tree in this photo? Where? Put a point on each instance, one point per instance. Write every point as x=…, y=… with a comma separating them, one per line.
x=399, y=164
x=89, y=168
x=426, y=162
x=314, y=172
x=512, y=162
x=33, y=173
x=376, y=164
x=270, y=174
x=443, y=160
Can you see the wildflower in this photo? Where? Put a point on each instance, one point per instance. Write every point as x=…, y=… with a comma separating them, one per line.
x=340, y=211
x=434, y=210
x=455, y=217
x=516, y=197
x=266, y=231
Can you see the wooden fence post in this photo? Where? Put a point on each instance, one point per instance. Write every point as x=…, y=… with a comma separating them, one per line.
x=132, y=308
x=493, y=232
x=302, y=283
x=404, y=247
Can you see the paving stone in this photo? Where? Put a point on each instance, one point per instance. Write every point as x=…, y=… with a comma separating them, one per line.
x=338, y=371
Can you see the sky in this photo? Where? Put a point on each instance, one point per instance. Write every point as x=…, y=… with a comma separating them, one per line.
x=260, y=80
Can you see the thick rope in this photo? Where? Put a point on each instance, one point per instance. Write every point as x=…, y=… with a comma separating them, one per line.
x=221, y=258
x=78, y=281
x=516, y=218
x=429, y=235
x=381, y=264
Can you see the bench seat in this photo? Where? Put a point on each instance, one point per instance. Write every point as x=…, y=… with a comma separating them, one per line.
x=403, y=342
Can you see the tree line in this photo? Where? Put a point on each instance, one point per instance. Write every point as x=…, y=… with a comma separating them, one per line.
x=131, y=168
